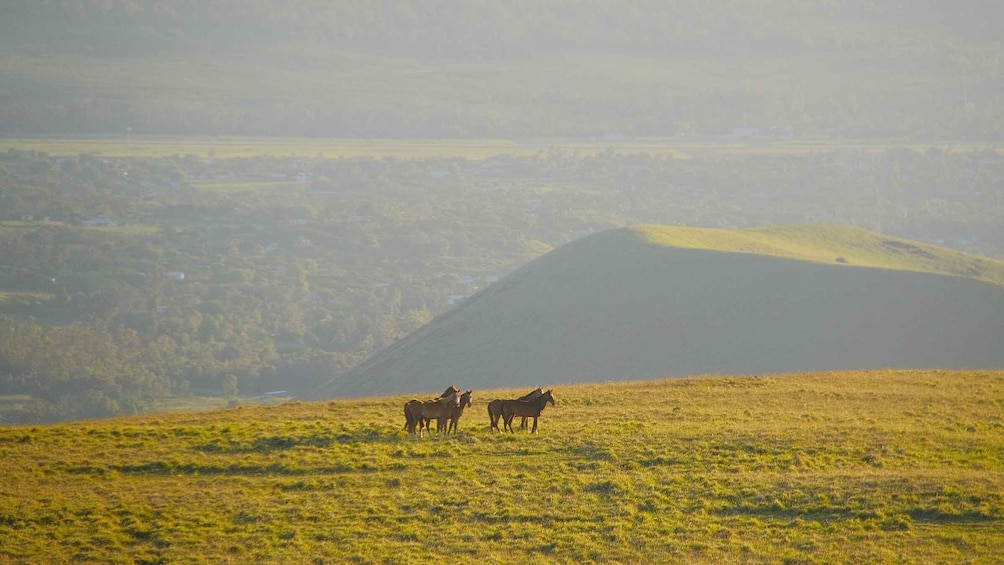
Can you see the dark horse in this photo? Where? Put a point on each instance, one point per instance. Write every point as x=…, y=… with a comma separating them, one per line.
x=409, y=424
x=525, y=408
x=456, y=413
x=416, y=411
x=495, y=409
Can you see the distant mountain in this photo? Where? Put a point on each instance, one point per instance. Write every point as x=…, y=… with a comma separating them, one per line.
x=515, y=69
x=651, y=301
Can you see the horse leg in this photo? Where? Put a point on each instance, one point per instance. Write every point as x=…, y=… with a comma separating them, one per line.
x=407, y=419
x=507, y=423
x=534, y=425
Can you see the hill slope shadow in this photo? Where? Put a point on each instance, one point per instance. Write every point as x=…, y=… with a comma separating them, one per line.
x=611, y=307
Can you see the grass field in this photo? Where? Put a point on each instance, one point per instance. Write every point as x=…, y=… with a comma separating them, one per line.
x=226, y=147
x=880, y=466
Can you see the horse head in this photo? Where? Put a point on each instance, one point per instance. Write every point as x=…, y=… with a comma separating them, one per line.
x=548, y=397
x=465, y=399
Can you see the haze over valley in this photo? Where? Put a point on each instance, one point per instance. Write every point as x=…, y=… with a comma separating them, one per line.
x=204, y=204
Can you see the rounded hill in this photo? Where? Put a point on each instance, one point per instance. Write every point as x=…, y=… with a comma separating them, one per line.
x=655, y=301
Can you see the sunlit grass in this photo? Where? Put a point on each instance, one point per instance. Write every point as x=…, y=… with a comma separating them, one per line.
x=873, y=466
x=204, y=403
x=833, y=244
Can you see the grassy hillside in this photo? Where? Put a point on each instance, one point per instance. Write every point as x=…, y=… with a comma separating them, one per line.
x=876, y=466
x=651, y=302
x=829, y=244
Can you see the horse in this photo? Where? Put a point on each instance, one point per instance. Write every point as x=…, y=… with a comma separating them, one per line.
x=452, y=389
x=495, y=409
x=416, y=412
x=456, y=413
x=525, y=408
x=409, y=419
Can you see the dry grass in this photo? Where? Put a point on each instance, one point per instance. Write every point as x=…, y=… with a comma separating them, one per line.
x=875, y=466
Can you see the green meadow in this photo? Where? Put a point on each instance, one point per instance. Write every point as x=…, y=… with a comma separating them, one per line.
x=880, y=466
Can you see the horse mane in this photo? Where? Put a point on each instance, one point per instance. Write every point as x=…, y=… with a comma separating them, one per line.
x=532, y=394
x=451, y=390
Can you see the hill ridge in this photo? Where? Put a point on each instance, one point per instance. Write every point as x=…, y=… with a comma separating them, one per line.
x=826, y=243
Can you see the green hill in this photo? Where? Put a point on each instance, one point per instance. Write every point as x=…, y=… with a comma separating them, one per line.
x=874, y=467
x=650, y=302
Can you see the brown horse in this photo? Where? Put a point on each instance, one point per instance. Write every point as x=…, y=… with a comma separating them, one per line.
x=409, y=423
x=495, y=409
x=456, y=413
x=416, y=412
x=525, y=408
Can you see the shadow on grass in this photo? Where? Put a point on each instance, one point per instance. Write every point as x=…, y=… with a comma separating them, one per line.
x=242, y=469
x=891, y=521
